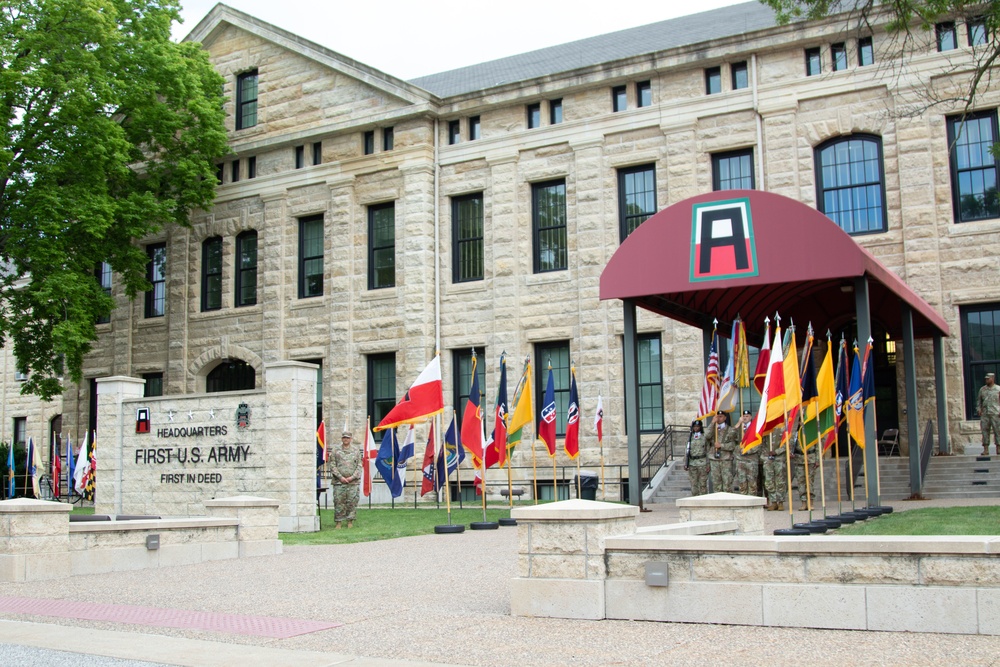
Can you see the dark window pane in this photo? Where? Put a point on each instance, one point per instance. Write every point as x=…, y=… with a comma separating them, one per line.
x=368, y=142
x=211, y=274
x=388, y=139
x=643, y=94
x=866, y=53
x=713, y=80
x=555, y=112
x=103, y=275
x=246, y=100
x=549, y=224
x=154, y=384
x=382, y=246
x=156, y=274
x=838, y=55
x=849, y=184
x=381, y=385
x=980, y=326
x=619, y=99
x=636, y=197
x=474, y=128
x=234, y=375
x=974, y=169
x=467, y=224
x=534, y=116
x=453, y=133
x=946, y=40
x=311, y=256
x=733, y=171
x=246, y=269
x=814, y=65
x=740, y=77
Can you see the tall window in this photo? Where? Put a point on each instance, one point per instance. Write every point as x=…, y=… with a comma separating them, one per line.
x=311, y=256
x=713, y=80
x=866, y=53
x=20, y=431
x=382, y=246
x=977, y=31
x=643, y=94
x=388, y=138
x=211, y=273
x=246, y=100
x=556, y=353
x=231, y=375
x=973, y=166
x=741, y=78
x=156, y=274
x=946, y=39
x=252, y=166
x=381, y=385
x=534, y=118
x=368, y=142
x=980, y=349
x=454, y=133
x=636, y=197
x=246, y=269
x=650, y=383
x=103, y=275
x=555, y=112
x=318, y=152
x=467, y=232
x=548, y=217
x=838, y=56
x=475, y=128
x=235, y=171
x=619, y=98
x=733, y=170
x=300, y=157
x=463, y=380
x=849, y=183
x=154, y=384
x=814, y=65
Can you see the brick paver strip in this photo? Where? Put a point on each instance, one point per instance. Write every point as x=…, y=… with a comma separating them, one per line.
x=256, y=626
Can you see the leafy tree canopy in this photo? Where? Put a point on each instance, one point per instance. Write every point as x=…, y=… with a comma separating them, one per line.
x=110, y=132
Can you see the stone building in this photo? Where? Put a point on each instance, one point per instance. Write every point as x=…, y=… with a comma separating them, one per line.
x=363, y=222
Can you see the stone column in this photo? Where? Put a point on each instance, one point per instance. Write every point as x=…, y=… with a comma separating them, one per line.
x=258, y=517
x=561, y=566
x=291, y=436
x=746, y=511
x=112, y=421
x=34, y=540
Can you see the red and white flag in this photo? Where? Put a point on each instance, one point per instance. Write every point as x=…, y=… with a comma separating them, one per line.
x=368, y=454
x=423, y=399
x=710, y=389
x=599, y=419
x=427, y=485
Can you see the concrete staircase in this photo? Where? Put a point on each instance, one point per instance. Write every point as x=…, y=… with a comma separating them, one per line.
x=947, y=477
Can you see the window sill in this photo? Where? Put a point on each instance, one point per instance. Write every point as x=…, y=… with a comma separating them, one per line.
x=549, y=277
x=468, y=287
x=380, y=294
x=151, y=322
x=973, y=228
x=302, y=303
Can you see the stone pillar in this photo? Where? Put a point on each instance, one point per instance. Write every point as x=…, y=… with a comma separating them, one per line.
x=746, y=511
x=34, y=540
x=258, y=531
x=112, y=420
x=561, y=566
x=291, y=436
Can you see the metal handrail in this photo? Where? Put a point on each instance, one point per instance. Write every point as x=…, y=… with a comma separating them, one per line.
x=926, y=448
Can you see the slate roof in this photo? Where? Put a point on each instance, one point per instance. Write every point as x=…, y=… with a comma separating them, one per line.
x=713, y=24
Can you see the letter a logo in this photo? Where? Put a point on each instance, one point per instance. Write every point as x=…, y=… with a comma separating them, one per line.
x=722, y=241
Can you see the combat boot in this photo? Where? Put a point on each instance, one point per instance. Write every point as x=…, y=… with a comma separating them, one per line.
x=337, y=527
x=350, y=523
x=780, y=507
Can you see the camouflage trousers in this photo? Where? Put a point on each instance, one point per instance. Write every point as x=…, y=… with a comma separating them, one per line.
x=345, y=502
x=722, y=475
x=698, y=475
x=799, y=478
x=989, y=423
x=775, y=479
x=746, y=476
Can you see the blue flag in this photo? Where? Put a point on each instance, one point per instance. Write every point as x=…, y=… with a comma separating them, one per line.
x=385, y=463
x=69, y=468
x=10, y=471
x=868, y=375
x=452, y=452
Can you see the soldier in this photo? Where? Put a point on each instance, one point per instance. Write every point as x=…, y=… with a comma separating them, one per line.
x=720, y=441
x=799, y=473
x=346, y=474
x=775, y=476
x=746, y=464
x=696, y=460
x=989, y=413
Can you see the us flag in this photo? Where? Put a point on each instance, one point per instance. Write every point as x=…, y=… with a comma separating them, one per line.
x=710, y=390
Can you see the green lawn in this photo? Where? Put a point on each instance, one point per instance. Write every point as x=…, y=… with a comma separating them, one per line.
x=931, y=521
x=385, y=524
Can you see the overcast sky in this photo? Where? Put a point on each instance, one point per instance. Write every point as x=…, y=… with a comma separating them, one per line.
x=411, y=38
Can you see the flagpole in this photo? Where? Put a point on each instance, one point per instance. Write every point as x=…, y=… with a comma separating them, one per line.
x=534, y=469
x=836, y=427
x=878, y=477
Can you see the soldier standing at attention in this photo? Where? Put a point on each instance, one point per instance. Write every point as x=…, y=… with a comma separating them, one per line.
x=746, y=464
x=720, y=442
x=696, y=460
x=775, y=480
x=989, y=413
x=346, y=473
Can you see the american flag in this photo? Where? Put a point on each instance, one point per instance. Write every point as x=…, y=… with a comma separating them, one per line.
x=710, y=390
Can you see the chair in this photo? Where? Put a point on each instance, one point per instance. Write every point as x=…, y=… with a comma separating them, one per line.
x=888, y=445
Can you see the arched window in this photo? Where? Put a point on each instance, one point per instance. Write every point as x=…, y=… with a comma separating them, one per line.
x=231, y=375
x=850, y=183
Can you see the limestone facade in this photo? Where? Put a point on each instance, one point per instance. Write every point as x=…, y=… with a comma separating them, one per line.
x=326, y=103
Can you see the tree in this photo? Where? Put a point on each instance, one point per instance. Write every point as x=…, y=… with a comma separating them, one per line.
x=111, y=131
x=909, y=22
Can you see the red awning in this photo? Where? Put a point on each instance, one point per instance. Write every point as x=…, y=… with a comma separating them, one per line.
x=752, y=253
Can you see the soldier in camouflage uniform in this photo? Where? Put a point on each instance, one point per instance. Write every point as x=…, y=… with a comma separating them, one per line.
x=799, y=474
x=775, y=475
x=989, y=413
x=346, y=474
x=746, y=464
x=696, y=460
x=720, y=441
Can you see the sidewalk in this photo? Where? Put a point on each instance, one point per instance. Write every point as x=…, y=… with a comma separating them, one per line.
x=432, y=599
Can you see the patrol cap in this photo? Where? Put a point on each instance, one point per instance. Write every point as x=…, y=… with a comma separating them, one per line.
x=990, y=375
x=346, y=434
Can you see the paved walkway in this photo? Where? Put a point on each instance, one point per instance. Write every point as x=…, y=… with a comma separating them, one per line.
x=433, y=599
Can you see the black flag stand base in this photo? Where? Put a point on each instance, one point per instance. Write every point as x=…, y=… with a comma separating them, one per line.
x=484, y=525
x=507, y=521
x=449, y=528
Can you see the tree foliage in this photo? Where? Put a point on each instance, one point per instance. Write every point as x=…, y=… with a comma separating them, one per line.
x=110, y=132
x=910, y=23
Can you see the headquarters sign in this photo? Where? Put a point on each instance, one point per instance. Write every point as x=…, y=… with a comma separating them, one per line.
x=722, y=241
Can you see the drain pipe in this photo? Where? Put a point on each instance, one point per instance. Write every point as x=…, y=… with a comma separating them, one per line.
x=762, y=184
x=437, y=254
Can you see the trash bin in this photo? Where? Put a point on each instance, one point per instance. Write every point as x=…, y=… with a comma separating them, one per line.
x=588, y=481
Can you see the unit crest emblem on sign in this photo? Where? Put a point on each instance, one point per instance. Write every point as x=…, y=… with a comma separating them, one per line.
x=243, y=416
